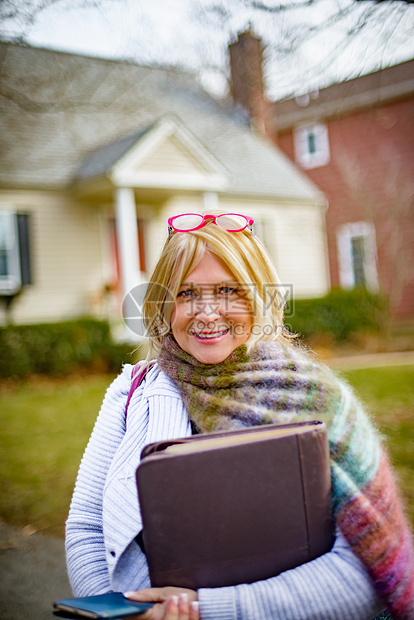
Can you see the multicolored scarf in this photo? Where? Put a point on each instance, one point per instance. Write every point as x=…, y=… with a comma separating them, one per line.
x=277, y=383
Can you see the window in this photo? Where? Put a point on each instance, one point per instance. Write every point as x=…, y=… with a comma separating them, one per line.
x=15, y=269
x=358, y=260
x=312, y=145
x=357, y=255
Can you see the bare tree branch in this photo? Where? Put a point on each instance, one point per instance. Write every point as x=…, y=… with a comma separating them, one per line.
x=279, y=8
x=291, y=28
x=23, y=13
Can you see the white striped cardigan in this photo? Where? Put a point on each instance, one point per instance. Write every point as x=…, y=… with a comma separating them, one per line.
x=104, y=520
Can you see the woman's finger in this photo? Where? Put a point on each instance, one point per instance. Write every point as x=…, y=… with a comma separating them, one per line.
x=195, y=610
x=171, y=609
x=147, y=595
x=170, y=603
x=183, y=606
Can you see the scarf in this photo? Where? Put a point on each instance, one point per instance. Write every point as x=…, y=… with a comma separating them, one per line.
x=275, y=383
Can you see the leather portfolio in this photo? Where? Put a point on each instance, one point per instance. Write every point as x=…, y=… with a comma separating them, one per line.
x=235, y=507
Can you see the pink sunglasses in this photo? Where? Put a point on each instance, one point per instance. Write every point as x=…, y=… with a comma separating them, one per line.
x=232, y=222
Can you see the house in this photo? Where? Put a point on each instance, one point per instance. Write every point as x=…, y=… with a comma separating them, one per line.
x=95, y=155
x=355, y=141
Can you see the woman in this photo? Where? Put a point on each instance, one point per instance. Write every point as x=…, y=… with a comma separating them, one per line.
x=215, y=320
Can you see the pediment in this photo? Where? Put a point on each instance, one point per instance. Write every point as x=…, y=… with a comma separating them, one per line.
x=168, y=156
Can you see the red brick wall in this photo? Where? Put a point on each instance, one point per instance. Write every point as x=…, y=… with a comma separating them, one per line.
x=371, y=178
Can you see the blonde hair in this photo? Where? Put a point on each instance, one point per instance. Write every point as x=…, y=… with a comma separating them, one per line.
x=246, y=258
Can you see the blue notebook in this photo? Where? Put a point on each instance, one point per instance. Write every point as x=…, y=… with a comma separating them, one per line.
x=111, y=605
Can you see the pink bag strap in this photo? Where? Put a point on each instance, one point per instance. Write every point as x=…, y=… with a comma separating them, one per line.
x=138, y=374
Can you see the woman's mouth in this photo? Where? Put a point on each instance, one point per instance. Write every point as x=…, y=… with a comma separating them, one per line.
x=210, y=335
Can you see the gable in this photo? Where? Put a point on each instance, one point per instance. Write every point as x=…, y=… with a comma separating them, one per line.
x=168, y=156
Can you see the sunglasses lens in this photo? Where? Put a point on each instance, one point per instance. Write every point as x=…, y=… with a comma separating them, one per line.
x=186, y=222
x=232, y=222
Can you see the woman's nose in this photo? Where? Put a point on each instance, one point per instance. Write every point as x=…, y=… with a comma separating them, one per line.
x=208, y=306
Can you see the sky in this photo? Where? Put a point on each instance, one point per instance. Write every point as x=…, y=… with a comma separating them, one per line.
x=185, y=33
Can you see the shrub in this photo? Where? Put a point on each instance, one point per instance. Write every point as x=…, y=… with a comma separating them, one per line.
x=340, y=314
x=58, y=348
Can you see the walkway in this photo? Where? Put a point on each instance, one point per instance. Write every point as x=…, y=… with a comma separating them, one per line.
x=372, y=360
x=32, y=574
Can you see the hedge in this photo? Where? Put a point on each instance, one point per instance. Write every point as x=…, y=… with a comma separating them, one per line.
x=59, y=348
x=340, y=315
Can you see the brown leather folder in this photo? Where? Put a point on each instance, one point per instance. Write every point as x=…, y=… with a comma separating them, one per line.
x=235, y=507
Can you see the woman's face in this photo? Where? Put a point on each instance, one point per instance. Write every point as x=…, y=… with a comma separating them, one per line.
x=211, y=316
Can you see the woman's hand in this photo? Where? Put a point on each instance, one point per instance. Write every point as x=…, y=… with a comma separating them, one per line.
x=170, y=603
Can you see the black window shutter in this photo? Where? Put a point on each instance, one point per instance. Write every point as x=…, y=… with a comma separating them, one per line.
x=23, y=227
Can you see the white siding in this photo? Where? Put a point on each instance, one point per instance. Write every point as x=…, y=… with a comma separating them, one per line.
x=300, y=248
x=67, y=265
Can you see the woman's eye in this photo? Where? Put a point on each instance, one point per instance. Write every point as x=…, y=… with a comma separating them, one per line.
x=187, y=293
x=228, y=290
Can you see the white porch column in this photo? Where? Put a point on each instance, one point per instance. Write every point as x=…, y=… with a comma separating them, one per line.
x=210, y=201
x=127, y=234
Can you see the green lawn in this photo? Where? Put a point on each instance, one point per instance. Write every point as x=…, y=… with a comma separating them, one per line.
x=389, y=395
x=45, y=428
x=45, y=425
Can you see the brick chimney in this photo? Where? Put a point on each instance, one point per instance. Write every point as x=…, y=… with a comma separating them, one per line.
x=247, y=78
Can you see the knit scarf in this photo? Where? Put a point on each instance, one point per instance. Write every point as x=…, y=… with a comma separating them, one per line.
x=275, y=383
